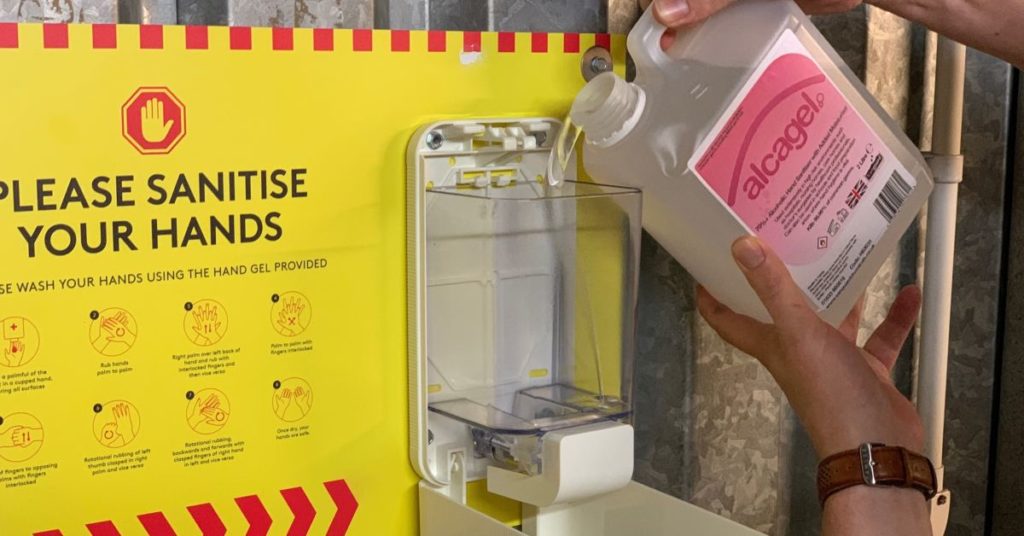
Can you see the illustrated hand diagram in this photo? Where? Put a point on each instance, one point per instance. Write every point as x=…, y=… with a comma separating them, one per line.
x=120, y=427
x=293, y=400
x=209, y=413
x=117, y=328
x=19, y=343
x=154, y=129
x=291, y=313
x=303, y=399
x=14, y=352
x=282, y=401
x=21, y=437
x=206, y=324
x=288, y=316
x=113, y=331
x=123, y=422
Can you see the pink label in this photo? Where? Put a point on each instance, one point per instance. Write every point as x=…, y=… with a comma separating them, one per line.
x=785, y=160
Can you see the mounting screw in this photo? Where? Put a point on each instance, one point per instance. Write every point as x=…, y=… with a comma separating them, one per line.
x=941, y=500
x=435, y=139
x=596, y=60
x=541, y=138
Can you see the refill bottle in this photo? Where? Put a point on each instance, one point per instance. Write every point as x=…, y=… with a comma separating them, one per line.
x=750, y=123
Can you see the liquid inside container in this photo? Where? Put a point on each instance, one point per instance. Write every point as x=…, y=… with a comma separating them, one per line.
x=751, y=124
x=531, y=300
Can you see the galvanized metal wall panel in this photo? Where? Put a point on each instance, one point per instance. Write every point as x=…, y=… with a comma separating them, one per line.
x=334, y=13
x=261, y=12
x=1007, y=514
x=148, y=11
x=459, y=14
x=209, y=12
x=21, y=10
x=404, y=14
x=79, y=10
x=978, y=278
x=549, y=15
x=622, y=14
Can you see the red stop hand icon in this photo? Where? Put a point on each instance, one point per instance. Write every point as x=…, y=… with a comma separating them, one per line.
x=153, y=120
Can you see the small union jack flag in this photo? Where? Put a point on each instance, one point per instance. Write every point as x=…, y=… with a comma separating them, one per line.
x=855, y=195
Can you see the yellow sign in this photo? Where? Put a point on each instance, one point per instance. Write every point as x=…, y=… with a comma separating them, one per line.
x=203, y=293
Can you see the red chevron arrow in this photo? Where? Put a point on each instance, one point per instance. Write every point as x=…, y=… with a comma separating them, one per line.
x=347, y=506
x=54, y=532
x=301, y=508
x=256, y=514
x=156, y=524
x=103, y=528
x=207, y=520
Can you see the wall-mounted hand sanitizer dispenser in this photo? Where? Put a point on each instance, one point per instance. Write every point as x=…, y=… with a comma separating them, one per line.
x=522, y=300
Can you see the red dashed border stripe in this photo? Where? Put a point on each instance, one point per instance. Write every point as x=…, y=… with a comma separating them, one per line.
x=197, y=37
x=156, y=37
x=55, y=36
x=253, y=509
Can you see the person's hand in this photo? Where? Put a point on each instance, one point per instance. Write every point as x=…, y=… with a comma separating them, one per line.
x=843, y=394
x=678, y=14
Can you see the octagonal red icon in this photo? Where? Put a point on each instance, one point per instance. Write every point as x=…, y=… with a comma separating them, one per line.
x=153, y=120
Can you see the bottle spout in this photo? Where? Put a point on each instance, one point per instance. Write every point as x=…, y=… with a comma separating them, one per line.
x=607, y=109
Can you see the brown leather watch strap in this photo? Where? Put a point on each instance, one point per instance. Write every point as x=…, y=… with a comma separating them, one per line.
x=876, y=465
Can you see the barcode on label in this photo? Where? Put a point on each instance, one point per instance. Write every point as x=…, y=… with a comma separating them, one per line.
x=892, y=197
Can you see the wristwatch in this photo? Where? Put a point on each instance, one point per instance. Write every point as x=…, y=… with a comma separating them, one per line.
x=874, y=464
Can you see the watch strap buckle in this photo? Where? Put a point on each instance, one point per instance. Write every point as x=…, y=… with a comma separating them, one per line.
x=867, y=464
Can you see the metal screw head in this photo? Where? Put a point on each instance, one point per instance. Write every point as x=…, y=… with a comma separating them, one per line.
x=596, y=60
x=541, y=138
x=941, y=500
x=435, y=139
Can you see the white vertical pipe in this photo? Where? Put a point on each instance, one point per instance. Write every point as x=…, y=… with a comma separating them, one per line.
x=935, y=318
x=940, y=246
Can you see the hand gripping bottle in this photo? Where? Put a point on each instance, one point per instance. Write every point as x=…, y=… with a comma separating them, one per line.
x=750, y=123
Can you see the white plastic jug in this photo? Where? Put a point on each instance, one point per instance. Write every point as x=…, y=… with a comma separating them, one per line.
x=751, y=124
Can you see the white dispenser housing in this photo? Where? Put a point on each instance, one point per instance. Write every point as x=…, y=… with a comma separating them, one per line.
x=522, y=300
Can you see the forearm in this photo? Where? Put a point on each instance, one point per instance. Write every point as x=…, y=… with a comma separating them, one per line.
x=991, y=26
x=865, y=511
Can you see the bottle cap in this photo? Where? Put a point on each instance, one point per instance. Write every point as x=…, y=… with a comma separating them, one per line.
x=607, y=108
